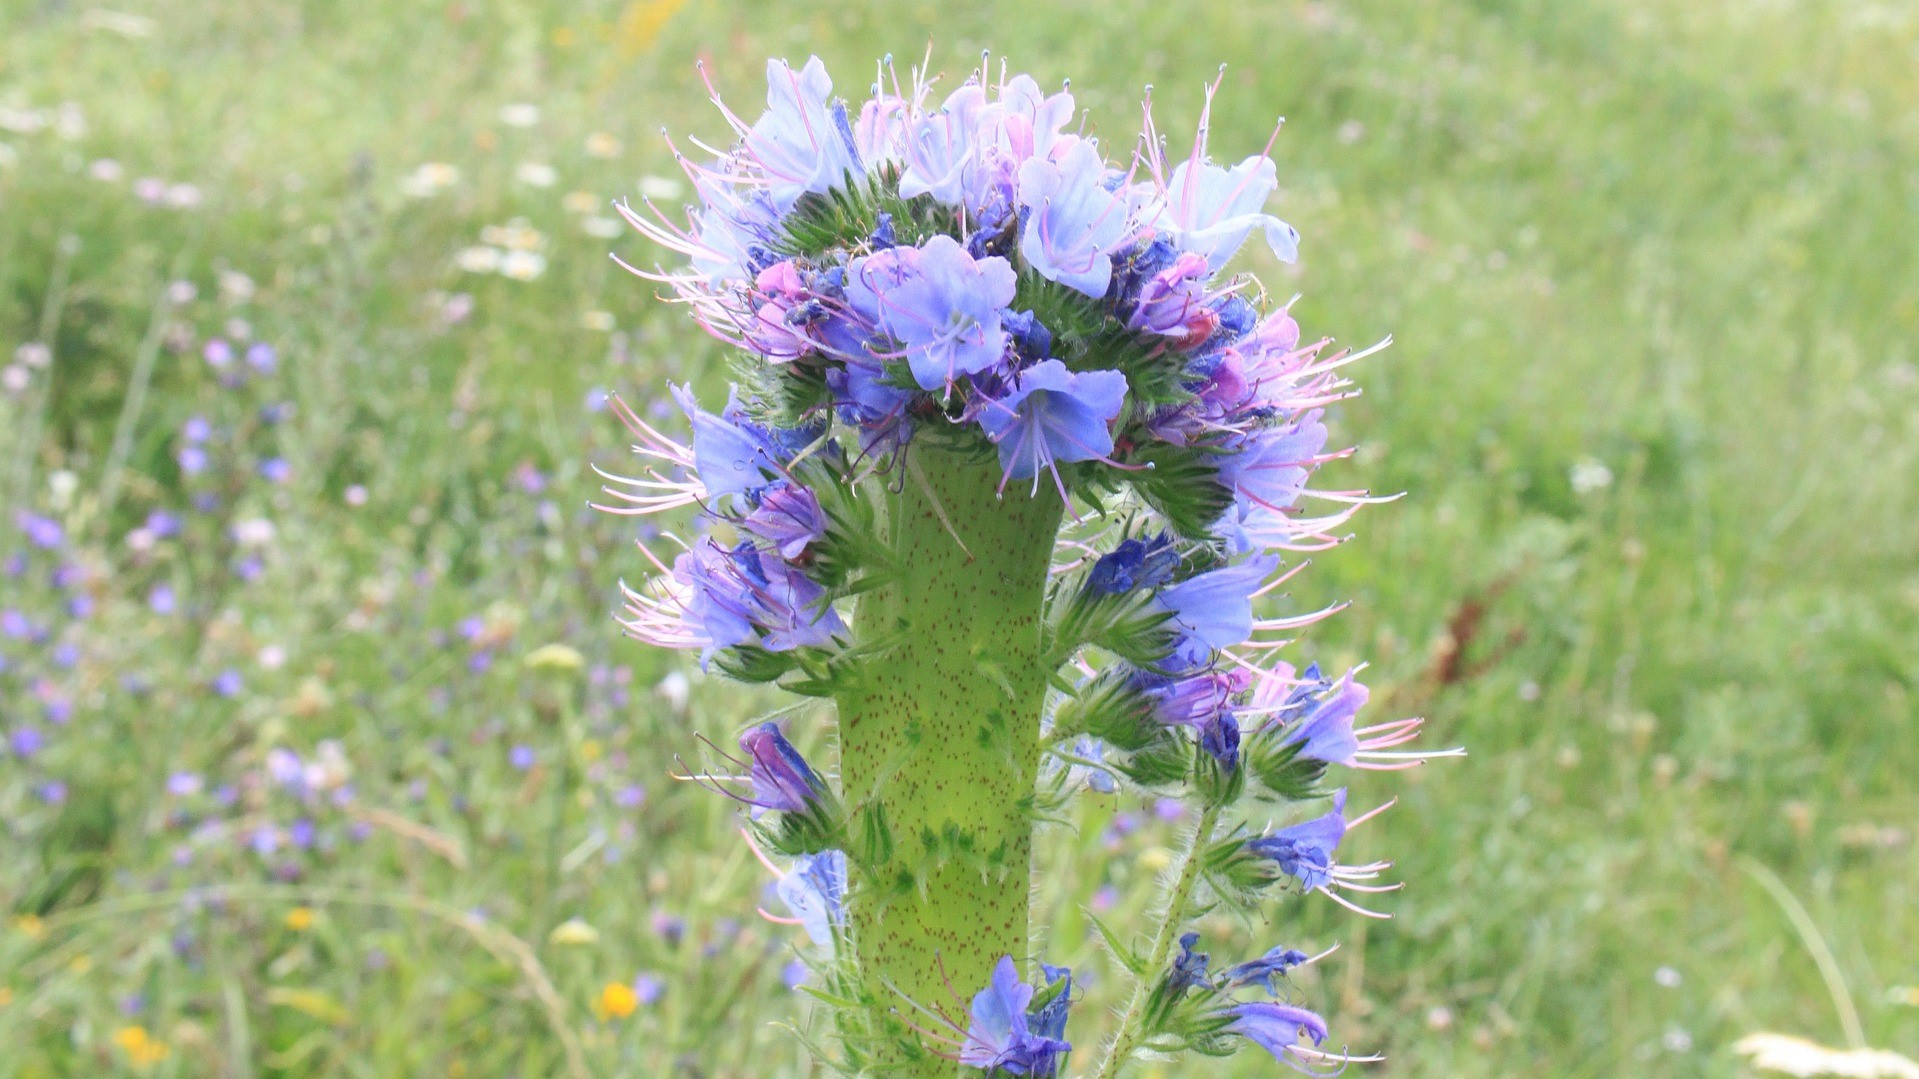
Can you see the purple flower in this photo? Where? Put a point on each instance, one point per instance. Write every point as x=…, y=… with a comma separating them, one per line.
x=196, y=429
x=161, y=524
x=1053, y=416
x=301, y=833
x=941, y=304
x=193, y=460
x=43, y=532
x=939, y=147
x=161, y=600
x=1276, y=1028
x=1073, y=221
x=1264, y=970
x=26, y=741
x=522, y=757
x=1000, y=1036
x=793, y=975
x=184, y=784
x=262, y=358
x=745, y=595
x=630, y=797
x=787, y=516
x=228, y=683
x=781, y=778
x=218, y=353
x=648, y=988
x=801, y=143
x=276, y=470
x=1172, y=303
x=13, y=623
x=52, y=792
x=1304, y=851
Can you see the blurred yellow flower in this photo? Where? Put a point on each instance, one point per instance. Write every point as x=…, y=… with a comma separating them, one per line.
x=6, y=995
x=617, y=1001
x=601, y=144
x=30, y=926
x=429, y=180
x=601, y=321
x=591, y=750
x=640, y=24
x=580, y=202
x=555, y=657
x=574, y=932
x=300, y=919
x=141, y=1049
x=1155, y=859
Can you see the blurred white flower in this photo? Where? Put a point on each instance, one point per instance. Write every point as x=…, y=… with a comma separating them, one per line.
x=235, y=287
x=1667, y=978
x=523, y=265
x=356, y=495
x=60, y=488
x=272, y=657
x=14, y=378
x=601, y=321
x=69, y=122
x=515, y=234
x=519, y=114
x=34, y=354
x=580, y=202
x=675, y=689
x=478, y=259
x=536, y=174
x=600, y=144
x=661, y=187
x=21, y=121
x=253, y=532
x=1796, y=1056
x=1350, y=132
x=182, y=196
x=604, y=228
x=182, y=291
x=1590, y=475
x=429, y=179
x=150, y=189
x=117, y=22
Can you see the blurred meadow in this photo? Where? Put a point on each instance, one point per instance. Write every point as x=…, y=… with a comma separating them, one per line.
x=306, y=328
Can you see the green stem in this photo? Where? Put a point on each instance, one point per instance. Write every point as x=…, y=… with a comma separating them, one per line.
x=1128, y=1037
x=939, y=739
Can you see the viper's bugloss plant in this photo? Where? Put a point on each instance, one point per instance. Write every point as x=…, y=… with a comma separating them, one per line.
x=1008, y=461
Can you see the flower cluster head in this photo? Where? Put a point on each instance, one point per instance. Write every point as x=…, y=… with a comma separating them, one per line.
x=970, y=275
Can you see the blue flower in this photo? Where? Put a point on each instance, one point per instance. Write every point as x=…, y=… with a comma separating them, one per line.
x=1073, y=221
x=1053, y=416
x=1214, y=609
x=1049, y=1019
x=1276, y=1028
x=1001, y=1036
x=746, y=595
x=42, y=532
x=1266, y=470
x=800, y=143
x=1326, y=732
x=781, y=778
x=1134, y=563
x=1304, y=851
x=938, y=148
x=1262, y=971
x=1189, y=967
x=733, y=455
x=941, y=304
x=815, y=891
x=1211, y=210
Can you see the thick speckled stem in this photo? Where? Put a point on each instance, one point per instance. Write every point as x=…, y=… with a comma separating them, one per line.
x=941, y=734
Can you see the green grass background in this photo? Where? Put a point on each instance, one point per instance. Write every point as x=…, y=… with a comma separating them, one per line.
x=1676, y=240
